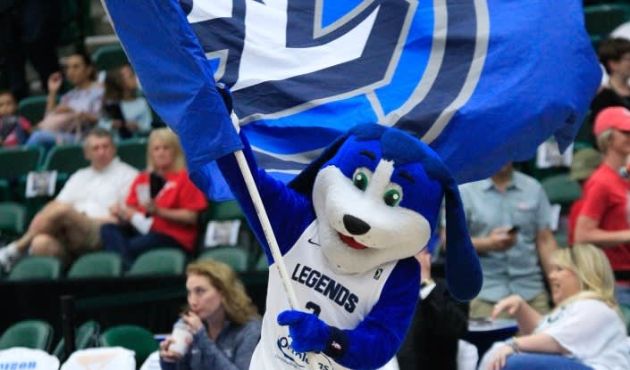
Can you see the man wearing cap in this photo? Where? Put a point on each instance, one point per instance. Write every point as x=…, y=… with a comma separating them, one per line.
x=604, y=218
x=585, y=162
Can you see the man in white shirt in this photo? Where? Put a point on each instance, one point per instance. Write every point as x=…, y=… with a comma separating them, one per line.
x=70, y=224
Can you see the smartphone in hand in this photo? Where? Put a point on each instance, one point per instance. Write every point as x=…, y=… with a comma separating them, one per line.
x=513, y=230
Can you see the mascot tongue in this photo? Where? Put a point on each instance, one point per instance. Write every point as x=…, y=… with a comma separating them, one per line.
x=351, y=242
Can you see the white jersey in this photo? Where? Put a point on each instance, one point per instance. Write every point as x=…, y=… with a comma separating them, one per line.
x=342, y=301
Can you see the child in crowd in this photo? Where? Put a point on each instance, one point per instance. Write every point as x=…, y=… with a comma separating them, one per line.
x=125, y=113
x=14, y=129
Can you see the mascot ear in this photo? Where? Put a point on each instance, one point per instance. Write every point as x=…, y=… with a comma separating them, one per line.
x=303, y=182
x=463, y=271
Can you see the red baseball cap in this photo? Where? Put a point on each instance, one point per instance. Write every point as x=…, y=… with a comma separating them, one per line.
x=612, y=117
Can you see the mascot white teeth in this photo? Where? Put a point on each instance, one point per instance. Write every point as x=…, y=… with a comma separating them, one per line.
x=348, y=226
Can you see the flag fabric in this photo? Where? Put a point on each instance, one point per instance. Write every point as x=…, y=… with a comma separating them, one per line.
x=481, y=81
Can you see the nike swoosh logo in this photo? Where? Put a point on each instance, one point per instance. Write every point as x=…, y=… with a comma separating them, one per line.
x=310, y=240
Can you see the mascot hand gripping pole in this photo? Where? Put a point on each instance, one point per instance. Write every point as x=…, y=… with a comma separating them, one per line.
x=348, y=226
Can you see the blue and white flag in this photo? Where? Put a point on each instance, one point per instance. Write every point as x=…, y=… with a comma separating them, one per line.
x=482, y=81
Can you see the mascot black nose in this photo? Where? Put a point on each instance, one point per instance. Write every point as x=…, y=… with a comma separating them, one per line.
x=355, y=226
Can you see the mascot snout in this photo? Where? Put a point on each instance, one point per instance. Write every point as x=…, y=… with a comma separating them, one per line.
x=355, y=225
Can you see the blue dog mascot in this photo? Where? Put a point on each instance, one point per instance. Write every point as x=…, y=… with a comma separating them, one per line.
x=348, y=226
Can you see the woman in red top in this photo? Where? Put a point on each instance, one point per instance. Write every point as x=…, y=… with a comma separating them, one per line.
x=162, y=207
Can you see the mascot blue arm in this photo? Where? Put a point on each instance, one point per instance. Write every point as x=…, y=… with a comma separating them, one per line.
x=289, y=211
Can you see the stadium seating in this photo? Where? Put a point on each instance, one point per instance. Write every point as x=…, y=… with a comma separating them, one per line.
x=65, y=159
x=109, y=57
x=261, y=264
x=132, y=337
x=33, y=108
x=163, y=261
x=231, y=210
x=561, y=189
x=223, y=211
x=12, y=219
x=36, y=267
x=86, y=336
x=34, y=334
x=233, y=256
x=17, y=162
x=97, y=264
x=134, y=152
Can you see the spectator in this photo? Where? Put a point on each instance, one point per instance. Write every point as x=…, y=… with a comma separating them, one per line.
x=585, y=162
x=221, y=318
x=614, y=54
x=14, y=129
x=162, y=205
x=79, y=109
x=29, y=29
x=603, y=218
x=438, y=324
x=70, y=224
x=584, y=331
x=124, y=112
x=508, y=218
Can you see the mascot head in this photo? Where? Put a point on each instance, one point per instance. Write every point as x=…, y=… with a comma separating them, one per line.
x=377, y=193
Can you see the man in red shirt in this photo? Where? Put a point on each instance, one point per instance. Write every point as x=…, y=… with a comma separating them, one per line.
x=604, y=218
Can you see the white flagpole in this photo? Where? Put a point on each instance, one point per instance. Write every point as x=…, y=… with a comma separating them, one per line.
x=270, y=237
x=261, y=212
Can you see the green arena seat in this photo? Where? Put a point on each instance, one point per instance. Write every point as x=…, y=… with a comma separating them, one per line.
x=262, y=264
x=223, y=211
x=134, y=152
x=17, y=162
x=34, y=334
x=132, y=337
x=33, y=108
x=65, y=159
x=12, y=219
x=97, y=264
x=36, y=267
x=561, y=189
x=109, y=57
x=163, y=261
x=86, y=336
x=232, y=255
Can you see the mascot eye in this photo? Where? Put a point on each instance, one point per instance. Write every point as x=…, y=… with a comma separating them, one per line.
x=361, y=178
x=392, y=197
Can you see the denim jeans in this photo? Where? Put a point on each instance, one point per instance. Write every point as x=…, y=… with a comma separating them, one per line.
x=539, y=361
x=48, y=139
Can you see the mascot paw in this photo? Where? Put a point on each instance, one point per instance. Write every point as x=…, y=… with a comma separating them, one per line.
x=308, y=332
